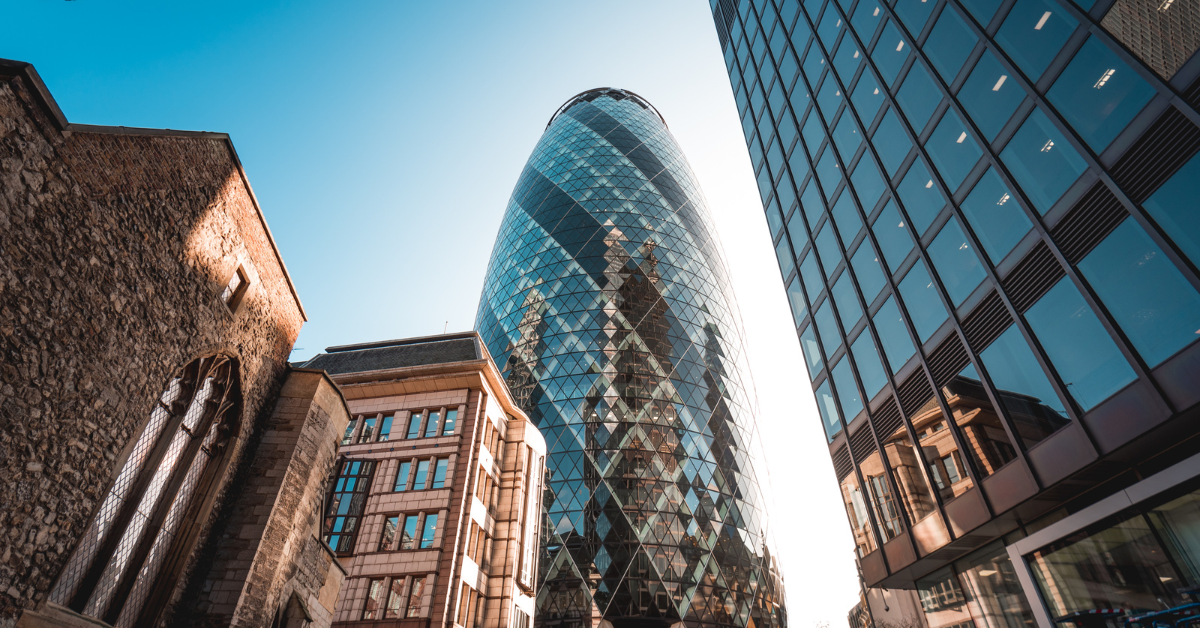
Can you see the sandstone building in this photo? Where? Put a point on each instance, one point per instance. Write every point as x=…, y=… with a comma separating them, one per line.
x=436, y=508
x=162, y=465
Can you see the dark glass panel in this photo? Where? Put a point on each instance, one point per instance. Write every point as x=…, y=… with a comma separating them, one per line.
x=892, y=235
x=1023, y=389
x=918, y=96
x=982, y=10
x=829, y=172
x=870, y=367
x=829, y=412
x=983, y=434
x=867, y=97
x=847, y=59
x=1173, y=207
x=829, y=98
x=920, y=295
x=846, y=136
x=1041, y=161
x=855, y=501
x=956, y=264
x=847, y=389
x=920, y=195
x=897, y=344
x=1098, y=94
x=949, y=44
x=867, y=182
x=914, y=13
x=990, y=96
x=891, y=51
x=811, y=351
x=846, y=300
x=845, y=217
x=997, y=219
x=783, y=253
x=827, y=248
x=796, y=299
x=953, y=151
x=867, y=272
x=1033, y=33
x=810, y=200
x=891, y=142
x=831, y=339
x=866, y=18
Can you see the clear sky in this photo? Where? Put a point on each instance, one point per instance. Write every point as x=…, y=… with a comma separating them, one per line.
x=383, y=140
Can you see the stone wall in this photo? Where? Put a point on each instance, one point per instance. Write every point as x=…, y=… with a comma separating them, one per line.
x=114, y=247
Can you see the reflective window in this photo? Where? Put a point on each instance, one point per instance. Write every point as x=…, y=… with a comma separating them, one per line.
x=997, y=219
x=949, y=44
x=918, y=97
x=1145, y=293
x=993, y=592
x=920, y=195
x=1041, y=161
x=1173, y=207
x=829, y=27
x=796, y=298
x=813, y=132
x=798, y=162
x=775, y=159
x=814, y=64
x=914, y=13
x=829, y=173
x=1024, y=390
x=774, y=221
x=787, y=132
x=953, y=151
x=757, y=100
x=940, y=595
x=1033, y=33
x=845, y=217
x=829, y=411
x=981, y=10
x=1098, y=95
x=846, y=136
x=788, y=68
x=891, y=51
x=987, y=442
x=866, y=18
x=1081, y=351
x=811, y=276
x=801, y=34
x=956, y=264
x=897, y=344
x=867, y=183
x=847, y=59
x=921, y=299
x=795, y=229
x=855, y=501
x=847, y=389
x=812, y=352
x=870, y=367
x=891, y=141
x=783, y=253
x=867, y=272
x=827, y=328
x=827, y=248
x=849, y=311
x=990, y=96
x=867, y=97
x=829, y=98
x=778, y=43
x=812, y=204
x=777, y=99
x=786, y=197
x=892, y=234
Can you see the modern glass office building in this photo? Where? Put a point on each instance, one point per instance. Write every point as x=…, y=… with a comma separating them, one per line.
x=986, y=216
x=608, y=306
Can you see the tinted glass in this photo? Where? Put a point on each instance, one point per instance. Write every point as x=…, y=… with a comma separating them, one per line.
x=774, y=221
x=897, y=345
x=892, y=234
x=867, y=272
x=846, y=136
x=811, y=276
x=1145, y=293
x=997, y=219
x=795, y=229
x=870, y=367
x=1173, y=207
x=1033, y=33
x=828, y=28
x=891, y=50
x=788, y=68
x=829, y=173
x=956, y=264
x=952, y=150
x=866, y=18
x=827, y=328
x=829, y=412
x=845, y=217
x=949, y=44
x=891, y=141
x=921, y=197
x=812, y=204
x=1098, y=95
x=982, y=10
x=867, y=97
x=1079, y=348
x=814, y=64
x=811, y=351
x=918, y=97
x=868, y=184
x=827, y=248
x=796, y=299
x=1041, y=161
x=829, y=98
x=921, y=299
x=846, y=300
x=783, y=253
x=847, y=59
x=813, y=132
x=847, y=389
x=990, y=96
x=1035, y=410
x=914, y=13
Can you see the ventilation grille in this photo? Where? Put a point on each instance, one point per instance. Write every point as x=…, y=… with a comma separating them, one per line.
x=887, y=421
x=986, y=322
x=914, y=392
x=862, y=443
x=1192, y=95
x=1162, y=34
x=1032, y=277
x=724, y=17
x=842, y=465
x=947, y=360
x=1166, y=145
x=1092, y=218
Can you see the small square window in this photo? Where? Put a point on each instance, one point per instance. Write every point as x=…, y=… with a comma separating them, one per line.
x=235, y=289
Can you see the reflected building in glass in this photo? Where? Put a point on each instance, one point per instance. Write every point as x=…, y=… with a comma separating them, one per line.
x=985, y=216
x=608, y=305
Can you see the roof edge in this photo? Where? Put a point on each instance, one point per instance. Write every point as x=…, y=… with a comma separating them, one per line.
x=400, y=342
x=600, y=91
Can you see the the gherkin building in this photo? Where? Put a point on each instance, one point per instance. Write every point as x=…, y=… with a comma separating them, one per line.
x=608, y=306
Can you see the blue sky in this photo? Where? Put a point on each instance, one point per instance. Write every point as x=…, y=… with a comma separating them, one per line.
x=383, y=140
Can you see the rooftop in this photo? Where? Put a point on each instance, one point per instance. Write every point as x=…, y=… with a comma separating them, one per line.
x=394, y=354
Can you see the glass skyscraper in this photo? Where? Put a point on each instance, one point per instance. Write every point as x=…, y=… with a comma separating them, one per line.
x=608, y=306
x=986, y=217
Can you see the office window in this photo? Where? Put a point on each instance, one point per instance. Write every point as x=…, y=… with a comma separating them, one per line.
x=788, y=68
x=1041, y=161
x=775, y=159
x=829, y=98
x=827, y=248
x=402, y=476
x=891, y=51
x=893, y=236
x=451, y=422
x=346, y=438
x=418, y=592
x=385, y=428
x=812, y=352
x=828, y=28
x=953, y=151
x=1033, y=33
x=866, y=18
x=812, y=132
x=949, y=44
x=1098, y=95
x=408, y=531
x=439, y=473
x=920, y=196
x=429, y=530
x=921, y=299
x=918, y=97
x=893, y=335
x=867, y=97
x=1023, y=389
x=955, y=262
x=1145, y=293
x=346, y=506
x=774, y=220
x=777, y=99
x=1173, y=207
x=891, y=142
x=829, y=172
x=994, y=214
x=847, y=389
x=811, y=276
x=787, y=135
x=827, y=328
x=813, y=7
x=389, y=533
x=847, y=59
x=914, y=14
x=845, y=218
x=395, y=601
x=795, y=230
x=798, y=162
x=982, y=10
x=796, y=298
x=422, y=475
x=990, y=96
x=867, y=272
x=846, y=136
x=849, y=311
x=784, y=254
x=368, y=429
x=868, y=183
x=814, y=64
x=829, y=412
x=374, y=606
x=870, y=367
x=1081, y=351
x=414, y=425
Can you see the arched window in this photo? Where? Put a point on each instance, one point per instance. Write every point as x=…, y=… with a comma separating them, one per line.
x=126, y=563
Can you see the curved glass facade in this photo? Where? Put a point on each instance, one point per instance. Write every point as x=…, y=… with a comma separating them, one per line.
x=608, y=306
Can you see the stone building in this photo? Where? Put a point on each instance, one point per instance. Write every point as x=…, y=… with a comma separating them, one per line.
x=437, y=502
x=161, y=464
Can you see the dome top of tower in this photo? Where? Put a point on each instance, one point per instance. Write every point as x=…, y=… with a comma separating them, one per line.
x=611, y=92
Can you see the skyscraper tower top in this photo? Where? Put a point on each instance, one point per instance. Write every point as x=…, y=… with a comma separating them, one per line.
x=611, y=92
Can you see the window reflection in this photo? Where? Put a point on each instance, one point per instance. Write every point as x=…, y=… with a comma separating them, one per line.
x=892, y=50
x=921, y=299
x=796, y=298
x=774, y=220
x=991, y=589
x=1041, y=161
x=914, y=13
x=812, y=352
x=856, y=510
x=887, y=511
x=829, y=98
x=811, y=276
x=990, y=96
x=867, y=272
x=953, y=151
x=949, y=44
x=918, y=97
x=812, y=204
x=829, y=411
x=866, y=19
x=943, y=602
x=1033, y=33
x=996, y=217
x=955, y=262
x=978, y=422
x=829, y=172
x=981, y=10
x=847, y=390
x=783, y=253
x=946, y=469
x=893, y=237
x=1024, y=390
x=870, y=368
x=913, y=492
x=921, y=197
x=827, y=248
x=1098, y=95
x=891, y=141
x=845, y=216
x=847, y=59
x=831, y=339
x=869, y=184
x=846, y=136
x=867, y=97
x=846, y=300
x=897, y=345
x=1173, y=206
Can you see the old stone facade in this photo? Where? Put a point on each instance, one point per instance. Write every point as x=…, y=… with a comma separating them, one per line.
x=436, y=507
x=146, y=319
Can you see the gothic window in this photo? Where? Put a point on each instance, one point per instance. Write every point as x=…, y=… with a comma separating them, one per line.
x=130, y=555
